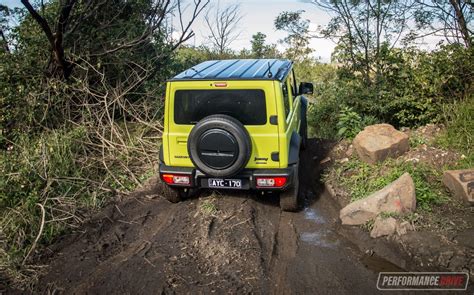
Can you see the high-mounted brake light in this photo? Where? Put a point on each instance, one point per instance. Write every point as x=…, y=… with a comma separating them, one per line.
x=220, y=84
x=176, y=179
x=275, y=181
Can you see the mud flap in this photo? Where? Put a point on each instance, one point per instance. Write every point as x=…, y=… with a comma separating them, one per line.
x=295, y=143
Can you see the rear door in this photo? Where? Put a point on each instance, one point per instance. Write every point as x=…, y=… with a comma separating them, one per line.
x=291, y=109
x=251, y=102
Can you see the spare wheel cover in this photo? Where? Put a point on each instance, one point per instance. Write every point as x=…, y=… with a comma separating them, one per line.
x=218, y=149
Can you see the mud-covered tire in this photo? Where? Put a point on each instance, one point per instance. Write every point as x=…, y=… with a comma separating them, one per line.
x=174, y=195
x=210, y=136
x=304, y=123
x=303, y=131
x=304, y=134
x=289, y=199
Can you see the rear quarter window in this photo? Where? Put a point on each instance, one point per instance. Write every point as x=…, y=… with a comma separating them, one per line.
x=247, y=106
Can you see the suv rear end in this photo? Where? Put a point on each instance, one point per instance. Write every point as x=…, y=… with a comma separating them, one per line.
x=227, y=127
x=250, y=102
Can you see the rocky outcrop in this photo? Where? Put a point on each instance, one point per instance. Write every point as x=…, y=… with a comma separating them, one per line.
x=461, y=184
x=383, y=227
x=397, y=197
x=377, y=142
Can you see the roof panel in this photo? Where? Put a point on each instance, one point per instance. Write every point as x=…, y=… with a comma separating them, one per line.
x=237, y=69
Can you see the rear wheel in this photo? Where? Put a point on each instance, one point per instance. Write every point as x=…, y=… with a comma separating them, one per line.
x=289, y=200
x=175, y=195
x=303, y=132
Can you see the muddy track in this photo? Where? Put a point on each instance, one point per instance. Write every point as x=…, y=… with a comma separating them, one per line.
x=243, y=244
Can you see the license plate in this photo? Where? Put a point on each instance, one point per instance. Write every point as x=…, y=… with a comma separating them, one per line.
x=225, y=183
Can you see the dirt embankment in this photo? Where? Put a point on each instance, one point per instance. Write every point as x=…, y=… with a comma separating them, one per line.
x=238, y=243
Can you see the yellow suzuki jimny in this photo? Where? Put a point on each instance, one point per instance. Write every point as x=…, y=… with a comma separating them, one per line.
x=234, y=124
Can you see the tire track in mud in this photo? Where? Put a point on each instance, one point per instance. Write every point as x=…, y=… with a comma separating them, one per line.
x=146, y=245
x=286, y=248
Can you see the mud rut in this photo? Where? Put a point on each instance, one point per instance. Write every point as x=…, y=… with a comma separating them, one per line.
x=146, y=245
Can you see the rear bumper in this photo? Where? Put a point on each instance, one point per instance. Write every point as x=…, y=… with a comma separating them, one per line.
x=248, y=177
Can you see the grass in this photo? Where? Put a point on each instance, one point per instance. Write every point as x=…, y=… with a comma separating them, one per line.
x=362, y=179
x=416, y=140
x=208, y=207
x=369, y=225
x=459, y=132
x=50, y=184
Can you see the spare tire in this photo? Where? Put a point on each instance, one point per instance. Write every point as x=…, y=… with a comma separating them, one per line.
x=219, y=145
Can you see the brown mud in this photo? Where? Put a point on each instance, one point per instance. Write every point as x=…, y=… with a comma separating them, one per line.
x=232, y=243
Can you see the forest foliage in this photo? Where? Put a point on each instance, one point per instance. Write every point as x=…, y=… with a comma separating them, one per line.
x=81, y=92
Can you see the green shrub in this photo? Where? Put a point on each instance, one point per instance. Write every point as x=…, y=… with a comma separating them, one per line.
x=349, y=123
x=411, y=90
x=322, y=118
x=416, y=140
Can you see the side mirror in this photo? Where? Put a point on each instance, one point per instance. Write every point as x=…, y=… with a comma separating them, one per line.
x=306, y=88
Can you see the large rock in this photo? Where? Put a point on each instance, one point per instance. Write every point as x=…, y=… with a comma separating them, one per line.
x=383, y=227
x=377, y=142
x=398, y=197
x=460, y=183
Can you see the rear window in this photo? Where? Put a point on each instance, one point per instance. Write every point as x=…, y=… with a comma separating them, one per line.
x=247, y=106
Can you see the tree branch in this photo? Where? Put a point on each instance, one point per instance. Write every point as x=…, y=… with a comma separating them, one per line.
x=40, y=20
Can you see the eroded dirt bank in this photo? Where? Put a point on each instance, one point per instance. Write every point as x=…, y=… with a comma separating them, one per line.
x=236, y=243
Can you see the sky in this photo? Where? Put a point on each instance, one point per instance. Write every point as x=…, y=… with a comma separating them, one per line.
x=258, y=16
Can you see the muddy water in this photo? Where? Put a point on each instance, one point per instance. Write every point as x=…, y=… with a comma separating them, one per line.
x=145, y=245
x=324, y=261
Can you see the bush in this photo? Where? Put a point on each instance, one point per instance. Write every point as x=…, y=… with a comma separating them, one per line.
x=52, y=182
x=322, y=118
x=41, y=175
x=411, y=90
x=417, y=84
x=349, y=123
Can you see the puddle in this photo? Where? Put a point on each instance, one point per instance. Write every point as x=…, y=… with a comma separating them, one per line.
x=378, y=264
x=319, y=238
x=313, y=215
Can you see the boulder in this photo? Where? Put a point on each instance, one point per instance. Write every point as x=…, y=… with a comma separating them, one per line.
x=398, y=197
x=461, y=184
x=377, y=142
x=383, y=227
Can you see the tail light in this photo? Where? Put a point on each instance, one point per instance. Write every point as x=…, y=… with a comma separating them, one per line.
x=176, y=179
x=271, y=181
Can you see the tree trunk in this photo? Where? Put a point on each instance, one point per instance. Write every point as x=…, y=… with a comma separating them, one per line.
x=5, y=42
x=59, y=65
x=461, y=22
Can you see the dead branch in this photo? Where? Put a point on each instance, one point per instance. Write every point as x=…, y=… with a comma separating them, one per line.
x=222, y=26
x=40, y=232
